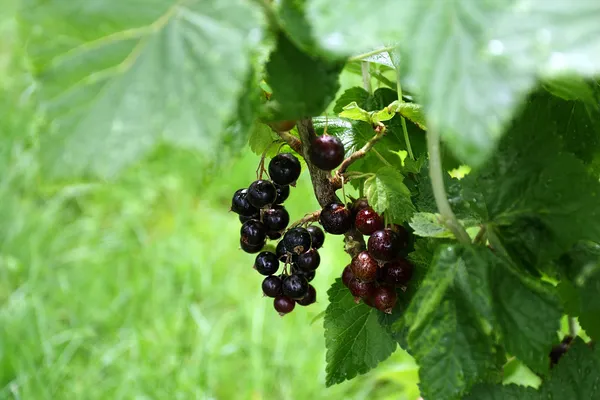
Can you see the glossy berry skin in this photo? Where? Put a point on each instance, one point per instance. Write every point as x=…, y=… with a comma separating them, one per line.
x=397, y=272
x=403, y=234
x=335, y=218
x=240, y=204
x=251, y=249
x=308, y=261
x=297, y=240
x=274, y=235
x=266, y=263
x=244, y=218
x=309, y=298
x=284, y=305
x=271, y=286
x=281, y=251
x=384, y=299
x=347, y=275
x=295, y=286
x=358, y=205
x=276, y=218
x=284, y=169
x=384, y=245
x=361, y=289
x=282, y=126
x=253, y=232
x=317, y=236
x=364, y=267
x=368, y=221
x=261, y=193
x=309, y=275
x=326, y=152
x=283, y=192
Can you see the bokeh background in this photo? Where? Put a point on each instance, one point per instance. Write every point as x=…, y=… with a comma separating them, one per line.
x=136, y=288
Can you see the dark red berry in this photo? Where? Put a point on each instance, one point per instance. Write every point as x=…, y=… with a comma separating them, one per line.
x=317, y=236
x=358, y=205
x=271, y=286
x=261, y=193
x=384, y=299
x=309, y=298
x=240, y=204
x=364, y=267
x=266, y=263
x=281, y=251
x=403, y=234
x=253, y=232
x=282, y=126
x=244, y=218
x=283, y=192
x=295, y=286
x=276, y=218
x=309, y=275
x=274, y=235
x=370, y=301
x=297, y=240
x=284, y=305
x=326, y=152
x=368, y=221
x=397, y=272
x=384, y=244
x=308, y=261
x=284, y=169
x=336, y=218
x=360, y=289
x=347, y=275
x=249, y=248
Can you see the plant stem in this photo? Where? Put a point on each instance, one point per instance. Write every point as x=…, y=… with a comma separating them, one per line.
x=380, y=131
x=436, y=173
x=366, y=76
x=310, y=217
x=572, y=326
x=371, y=53
x=291, y=140
x=402, y=119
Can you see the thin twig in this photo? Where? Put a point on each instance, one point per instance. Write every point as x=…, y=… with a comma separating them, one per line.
x=572, y=327
x=402, y=119
x=291, y=140
x=371, y=53
x=366, y=76
x=481, y=235
x=310, y=217
x=379, y=132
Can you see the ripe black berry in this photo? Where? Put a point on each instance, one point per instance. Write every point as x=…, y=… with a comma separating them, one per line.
x=397, y=273
x=336, y=218
x=317, y=236
x=403, y=234
x=274, y=235
x=295, y=286
x=250, y=248
x=384, y=299
x=244, y=218
x=283, y=192
x=364, y=267
x=283, y=305
x=308, y=261
x=297, y=240
x=271, y=286
x=276, y=218
x=347, y=275
x=309, y=275
x=284, y=169
x=253, y=232
x=281, y=251
x=368, y=221
x=309, y=298
x=266, y=263
x=384, y=244
x=361, y=289
x=261, y=193
x=358, y=205
x=240, y=204
x=326, y=152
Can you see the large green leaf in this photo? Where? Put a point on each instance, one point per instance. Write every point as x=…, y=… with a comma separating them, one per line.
x=118, y=77
x=355, y=340
x=388, y=195
x=488, y=391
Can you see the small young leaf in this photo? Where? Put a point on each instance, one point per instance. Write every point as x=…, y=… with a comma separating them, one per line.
x=429, y=225
x=411, y=111
x=388, y=195
x=261, y=137
x=354, y=112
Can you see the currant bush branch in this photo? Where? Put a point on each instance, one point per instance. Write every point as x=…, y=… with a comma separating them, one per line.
x=291, y=140
x=310, y=217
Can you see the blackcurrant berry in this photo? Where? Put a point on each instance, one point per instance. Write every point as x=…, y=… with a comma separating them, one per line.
x=336, y=218
x=384, y=299
x=284, y=169
x=282, y=126
x=308, y=261
x=283, y=192
x=250, y=248
x=403, y=234
x=295, y=286
x=309, y=275
x=276, y=218
x=397, y=273
x=274, y=235
x=559, y=350
x=326, y=152
x=360, y=289
x=281, y=251
x=317, y=236
x=309, y=298
x=358, y=205
x=266, y=263
x=244, y=218
x=271, y=286
x=253, y=232
x=283, y=305
x=368, y=221
x=261, y=193
x=240, y=204
x=347, y=275
x=370, y=301
x=384, y=244
x=297, y=240
x=364, y=267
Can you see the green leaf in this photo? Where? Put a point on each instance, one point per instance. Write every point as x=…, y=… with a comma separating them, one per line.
x=293, y=20
x=261, y=137
x=429, y=225
x=388, y=195
x=355, y=94
x=303, y=85
x=487, y=391
x=570, y=88
x=354, y=112
x=116, y=78
x=355, y=340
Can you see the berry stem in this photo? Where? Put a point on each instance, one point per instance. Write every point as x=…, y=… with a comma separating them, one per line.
x=402, y=119
x=291, y=140
x=436, y=173
x=365, y=66
x=310, y=217
x=379, y=132
x=371, y=53
x=572, y=327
